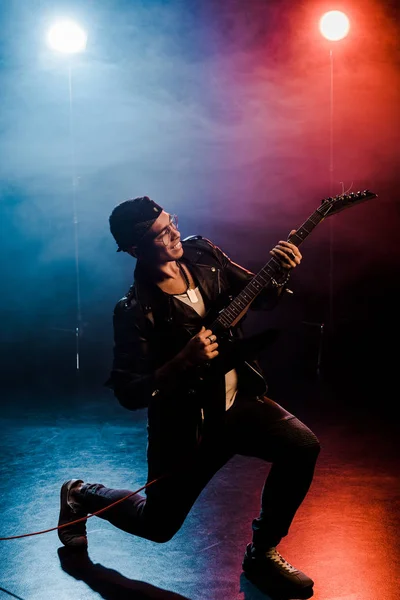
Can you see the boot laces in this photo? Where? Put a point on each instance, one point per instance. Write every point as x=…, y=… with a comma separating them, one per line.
x=274, y=555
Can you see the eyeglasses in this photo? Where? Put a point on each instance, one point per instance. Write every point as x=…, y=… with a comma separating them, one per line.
x=165, y=235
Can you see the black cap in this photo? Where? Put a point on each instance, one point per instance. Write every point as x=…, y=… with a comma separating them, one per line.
x=130, y=220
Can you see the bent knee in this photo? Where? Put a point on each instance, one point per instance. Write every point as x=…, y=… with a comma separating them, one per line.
x=308, y=452
x=301, y=444
x=313, y=447
x=163, y=531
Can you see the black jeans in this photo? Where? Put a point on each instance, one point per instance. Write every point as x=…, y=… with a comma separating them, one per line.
x=251, y=427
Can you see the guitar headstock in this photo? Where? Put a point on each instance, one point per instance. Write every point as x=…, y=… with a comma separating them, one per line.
x=331, y=206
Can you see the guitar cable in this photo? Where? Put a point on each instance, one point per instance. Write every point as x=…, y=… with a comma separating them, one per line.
x=98, y=512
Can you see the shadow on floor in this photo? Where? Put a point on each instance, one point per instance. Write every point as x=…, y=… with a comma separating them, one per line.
x=110, y=584
x=252, y=592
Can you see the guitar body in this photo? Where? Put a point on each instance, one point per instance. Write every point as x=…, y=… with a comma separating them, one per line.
x=234, y=351
x=231, y=356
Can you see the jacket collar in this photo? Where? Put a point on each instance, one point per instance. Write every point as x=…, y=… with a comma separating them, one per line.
x=204, y=269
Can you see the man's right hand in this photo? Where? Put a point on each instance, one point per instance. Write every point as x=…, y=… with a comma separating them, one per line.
x=201, y=348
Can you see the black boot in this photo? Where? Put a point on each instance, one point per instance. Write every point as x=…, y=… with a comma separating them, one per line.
x=269, y=571
x=73, y=536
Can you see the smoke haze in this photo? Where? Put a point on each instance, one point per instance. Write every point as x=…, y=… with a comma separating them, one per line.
x=221, y=112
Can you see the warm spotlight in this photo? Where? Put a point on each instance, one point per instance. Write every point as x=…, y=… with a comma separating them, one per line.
x=334, y=25
x=67, y=37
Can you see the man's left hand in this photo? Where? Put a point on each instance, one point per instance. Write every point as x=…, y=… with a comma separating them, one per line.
x=288, y=254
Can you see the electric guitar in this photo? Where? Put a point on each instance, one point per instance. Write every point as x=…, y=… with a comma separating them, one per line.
x=222, y=321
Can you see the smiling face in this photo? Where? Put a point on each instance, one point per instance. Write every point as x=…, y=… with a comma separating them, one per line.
x=161, y=244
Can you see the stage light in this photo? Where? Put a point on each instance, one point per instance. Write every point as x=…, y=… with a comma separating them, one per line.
x=334, y=25
x=67, y=37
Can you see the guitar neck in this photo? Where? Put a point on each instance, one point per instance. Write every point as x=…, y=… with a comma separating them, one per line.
x=263, y=278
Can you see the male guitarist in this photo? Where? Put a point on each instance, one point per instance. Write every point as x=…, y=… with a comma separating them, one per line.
x=198, y=416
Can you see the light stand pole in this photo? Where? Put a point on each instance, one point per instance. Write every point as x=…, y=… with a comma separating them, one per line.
x=68, y=38
x=334, y=26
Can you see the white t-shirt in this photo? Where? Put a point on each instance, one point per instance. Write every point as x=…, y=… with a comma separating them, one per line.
x=231, y=378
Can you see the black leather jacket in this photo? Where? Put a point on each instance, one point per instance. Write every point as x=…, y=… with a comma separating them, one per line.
x=151, y=327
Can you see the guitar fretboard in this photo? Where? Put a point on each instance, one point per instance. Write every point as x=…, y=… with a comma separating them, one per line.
x=264, y=276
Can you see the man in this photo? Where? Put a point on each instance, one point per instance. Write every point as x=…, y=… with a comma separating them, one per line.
x=198, y=416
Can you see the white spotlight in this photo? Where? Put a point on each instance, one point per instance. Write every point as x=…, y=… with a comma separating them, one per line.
x=334, y=25
x=66, y=36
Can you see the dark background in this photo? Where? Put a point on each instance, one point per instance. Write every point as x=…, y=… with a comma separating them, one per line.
x=221, y=113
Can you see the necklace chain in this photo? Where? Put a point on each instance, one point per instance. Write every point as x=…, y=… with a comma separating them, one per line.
x=191, y=294
x=184, y=275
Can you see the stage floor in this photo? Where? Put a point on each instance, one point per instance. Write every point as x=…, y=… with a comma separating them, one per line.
x=345, y=535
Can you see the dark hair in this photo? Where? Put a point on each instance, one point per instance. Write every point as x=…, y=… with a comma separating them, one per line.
x=130, y=220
